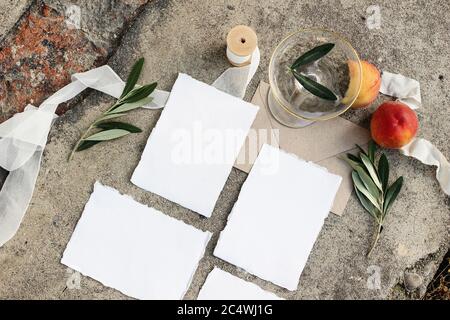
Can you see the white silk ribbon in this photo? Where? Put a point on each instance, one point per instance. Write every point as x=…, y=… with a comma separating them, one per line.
x=424, y=151
x=235, y=80
x=24, y=136
x=407, y=90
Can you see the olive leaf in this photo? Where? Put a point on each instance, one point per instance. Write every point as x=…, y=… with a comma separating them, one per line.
x=133, y=96
x=370, y=208
x=391, y=194
x=352, y=162
x=109, y=117
x=86, y=145
x=368, y=182
x=358, y=183
x=371, y=149
x=131, y=105
x=314, y=87
x=118, y=125
x=310, y=85
x=133, y=77
x=371, y=185
x=313, y=55
x=139, y=93
x=383, y=171
x=361, y=149
x=354, y=158
x=107, y=135
x=372, y=171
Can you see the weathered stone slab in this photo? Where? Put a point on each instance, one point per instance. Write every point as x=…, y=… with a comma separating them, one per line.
x=10, y=13
x=188, y=36
x=54, y=39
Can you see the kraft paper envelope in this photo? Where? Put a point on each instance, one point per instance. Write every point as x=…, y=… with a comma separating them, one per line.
x=322, y=142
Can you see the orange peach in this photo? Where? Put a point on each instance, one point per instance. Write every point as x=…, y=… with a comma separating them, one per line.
x=393, y=125
x=370, y=84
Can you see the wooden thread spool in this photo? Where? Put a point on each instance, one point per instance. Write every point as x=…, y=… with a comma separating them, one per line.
x=241, y=43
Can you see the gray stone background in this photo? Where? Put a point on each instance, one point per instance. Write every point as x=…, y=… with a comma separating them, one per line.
x=188, y=36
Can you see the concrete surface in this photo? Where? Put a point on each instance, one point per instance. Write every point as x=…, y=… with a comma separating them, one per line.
x=188, y=36
x=10, y=12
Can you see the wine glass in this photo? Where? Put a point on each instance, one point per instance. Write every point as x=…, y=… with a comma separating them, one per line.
x=294, y=106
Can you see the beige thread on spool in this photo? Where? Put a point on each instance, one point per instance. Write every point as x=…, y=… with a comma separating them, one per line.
x=241, y=43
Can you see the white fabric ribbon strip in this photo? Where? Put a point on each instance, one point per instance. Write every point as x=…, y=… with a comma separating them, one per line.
x=235, y=80
x=24, y=136
x=23, y=139
x=428, y=154
x=407, y=90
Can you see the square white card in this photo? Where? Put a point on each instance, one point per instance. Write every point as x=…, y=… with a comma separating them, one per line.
x=133, y=248
x=277, y=217
x=221, y=285
x=194, y=144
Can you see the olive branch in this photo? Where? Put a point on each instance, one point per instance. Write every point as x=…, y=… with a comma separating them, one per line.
x=371, y=183
x=133, y=96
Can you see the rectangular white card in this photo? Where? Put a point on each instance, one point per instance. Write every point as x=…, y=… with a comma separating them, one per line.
x=133, y=248
x=277, y=217
x=221, y=285
x=192, y=148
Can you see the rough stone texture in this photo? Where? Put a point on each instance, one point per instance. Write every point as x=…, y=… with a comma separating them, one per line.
x=10, y=12
x=53, y=40
x=188, y=36
x=412, y=281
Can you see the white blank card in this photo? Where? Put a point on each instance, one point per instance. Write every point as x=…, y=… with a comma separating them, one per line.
x=133, y=248
x=277, y=217
x=221, y=285
x=194, y=144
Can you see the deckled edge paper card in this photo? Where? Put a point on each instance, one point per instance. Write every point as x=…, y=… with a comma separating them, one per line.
x=194, y=144
x=323, y=142
x=221, y=285
x=277, y=217
x=134, y=248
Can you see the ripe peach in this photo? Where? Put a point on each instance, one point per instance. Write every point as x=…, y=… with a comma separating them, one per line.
x=370, y=85
x=393, y=125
